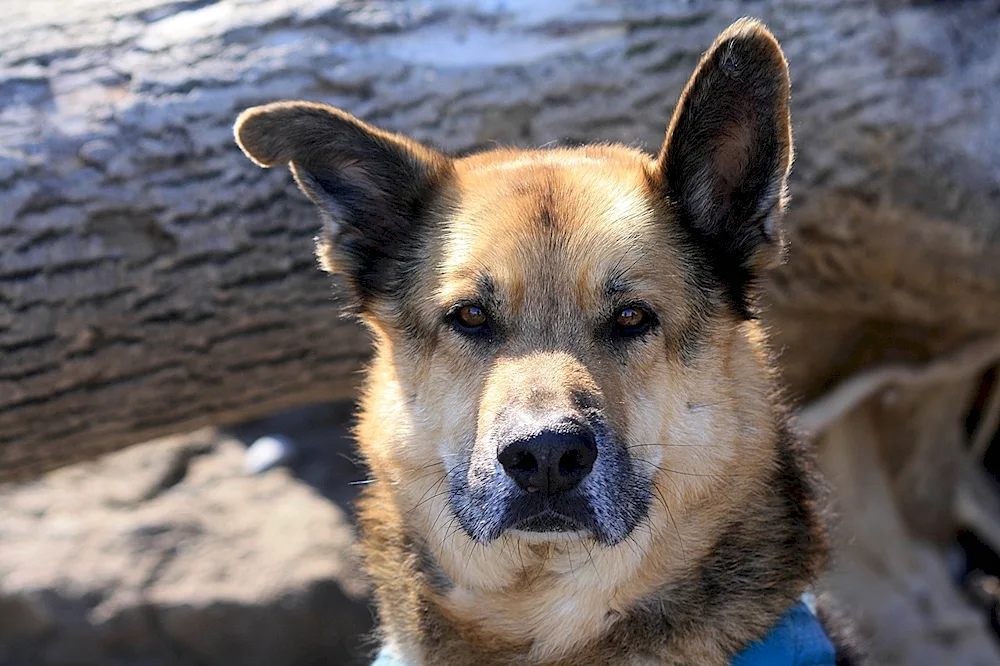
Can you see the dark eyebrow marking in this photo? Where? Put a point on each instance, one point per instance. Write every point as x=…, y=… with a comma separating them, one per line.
x=616, y=285
x=546, y=199
x=486, y=286
x=619, y=271
x=545, y=217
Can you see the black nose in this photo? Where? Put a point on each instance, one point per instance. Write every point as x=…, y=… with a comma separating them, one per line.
x=553, y=460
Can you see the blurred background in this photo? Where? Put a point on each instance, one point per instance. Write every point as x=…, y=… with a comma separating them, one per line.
x=157, y=287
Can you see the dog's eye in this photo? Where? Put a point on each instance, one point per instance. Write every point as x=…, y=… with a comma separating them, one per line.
x=632, y=320
x=468, y=318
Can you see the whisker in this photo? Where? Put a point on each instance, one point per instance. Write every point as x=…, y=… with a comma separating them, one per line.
x=420, y=478
x=354, y=460
x=590, y=553
x=637, y=260
x=433, y=489
x=703, y=405
x=453, y=531
x=572, y=567
x=629, y=447
x=705, y=476
x=657, y=468
x=433, y=497
x=633, y=545
x=431, y=468
x=673, y=522
x=614, y=270
x=441, y=513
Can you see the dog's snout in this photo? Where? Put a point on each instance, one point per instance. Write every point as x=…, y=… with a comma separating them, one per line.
x=551, y=460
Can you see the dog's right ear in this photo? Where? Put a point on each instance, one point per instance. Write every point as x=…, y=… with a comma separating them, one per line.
x=370, y=186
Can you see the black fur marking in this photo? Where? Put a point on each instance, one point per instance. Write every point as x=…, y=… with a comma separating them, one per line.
x=738, y=282
x=428, y=565
x=374, y=189
x=725, y=160
x=487, y=286
x=546, y=206
x=383, y=254
x=616, y=286
x=545, y=217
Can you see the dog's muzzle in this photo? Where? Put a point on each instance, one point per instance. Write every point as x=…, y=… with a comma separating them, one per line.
x=548, y=473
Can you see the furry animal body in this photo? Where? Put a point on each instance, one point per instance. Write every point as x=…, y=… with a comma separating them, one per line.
x=577, y=453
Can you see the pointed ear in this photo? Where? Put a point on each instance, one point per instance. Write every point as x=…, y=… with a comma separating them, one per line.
x=372, y=187
x=727, y=155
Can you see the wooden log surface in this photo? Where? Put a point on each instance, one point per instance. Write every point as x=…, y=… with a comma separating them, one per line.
x=152, y=280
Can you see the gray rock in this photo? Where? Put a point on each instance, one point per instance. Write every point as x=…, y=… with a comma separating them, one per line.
x=169, y=553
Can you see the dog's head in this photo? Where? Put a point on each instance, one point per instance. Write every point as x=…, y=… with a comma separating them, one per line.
x=563, y=335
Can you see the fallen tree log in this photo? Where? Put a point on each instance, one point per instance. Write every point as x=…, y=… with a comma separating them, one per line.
x=152, y=280
x=903, y=452
x=897, y=586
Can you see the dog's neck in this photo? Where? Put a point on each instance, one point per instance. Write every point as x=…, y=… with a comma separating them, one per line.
x=573, y=592
x=560, y=610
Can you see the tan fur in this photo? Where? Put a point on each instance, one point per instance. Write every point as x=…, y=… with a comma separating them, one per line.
x=558, y=597
x=731, y=537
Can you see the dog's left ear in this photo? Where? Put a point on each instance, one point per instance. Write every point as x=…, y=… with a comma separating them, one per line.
x=727, y=155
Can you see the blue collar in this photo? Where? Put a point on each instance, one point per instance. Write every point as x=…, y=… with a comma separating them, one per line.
x=797, y=640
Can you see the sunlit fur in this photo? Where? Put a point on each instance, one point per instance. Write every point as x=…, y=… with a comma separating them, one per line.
x=712, y=524
x=705, y=432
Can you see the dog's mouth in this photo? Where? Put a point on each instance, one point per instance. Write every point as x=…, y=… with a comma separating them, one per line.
x=528, y=513
x=548, y=522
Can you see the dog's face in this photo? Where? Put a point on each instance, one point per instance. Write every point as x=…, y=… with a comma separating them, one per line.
x=557, y=306
x=558, y=331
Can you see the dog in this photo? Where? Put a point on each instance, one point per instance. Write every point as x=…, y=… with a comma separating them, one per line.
x=571, y=421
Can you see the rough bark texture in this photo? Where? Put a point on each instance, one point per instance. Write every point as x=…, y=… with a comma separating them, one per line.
x=153, y=280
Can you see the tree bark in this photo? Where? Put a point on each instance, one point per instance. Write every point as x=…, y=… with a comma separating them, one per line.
x=153, y=280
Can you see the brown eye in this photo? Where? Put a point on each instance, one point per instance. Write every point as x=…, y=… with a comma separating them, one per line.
x=630, y=317
x=469, y=318
x=632, y=320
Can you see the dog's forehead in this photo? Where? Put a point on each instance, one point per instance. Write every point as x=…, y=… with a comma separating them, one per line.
x=557, y=188
x=570, y=217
